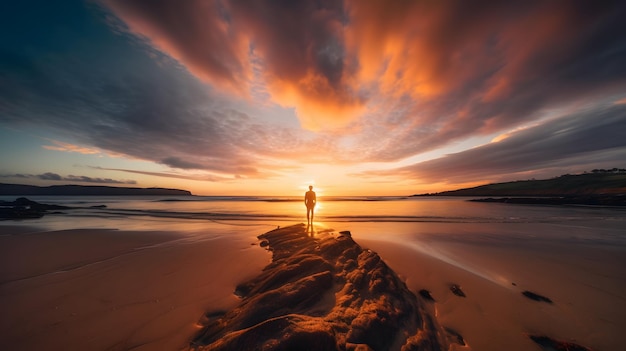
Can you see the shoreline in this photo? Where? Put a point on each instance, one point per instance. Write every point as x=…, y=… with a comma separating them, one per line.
x=147, y=290
x=140, y=290
x=609, y=201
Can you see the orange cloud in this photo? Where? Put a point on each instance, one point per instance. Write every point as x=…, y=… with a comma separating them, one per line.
x=466, y=66
x=408, y=47
x=542, y=32
x=318, y=105
x=304, y=62
x=299, y=49
x=620, y=102
x=66, y=147
x=194, y=33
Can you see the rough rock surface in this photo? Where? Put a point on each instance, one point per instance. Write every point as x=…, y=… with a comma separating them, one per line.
x=23, y=208
x=322, y=293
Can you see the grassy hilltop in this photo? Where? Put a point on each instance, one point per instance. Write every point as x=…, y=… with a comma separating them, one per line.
x=597, y=182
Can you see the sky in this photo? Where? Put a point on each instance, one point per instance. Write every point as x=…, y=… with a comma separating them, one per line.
x=266, y=97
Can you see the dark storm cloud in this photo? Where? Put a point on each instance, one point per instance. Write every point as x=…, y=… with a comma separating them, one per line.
x=575, y=143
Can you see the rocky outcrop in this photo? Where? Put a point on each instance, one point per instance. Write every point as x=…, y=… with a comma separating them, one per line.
x=322, y=293
x=23, y=208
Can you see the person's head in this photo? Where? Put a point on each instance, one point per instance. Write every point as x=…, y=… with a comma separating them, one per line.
x=310, y=187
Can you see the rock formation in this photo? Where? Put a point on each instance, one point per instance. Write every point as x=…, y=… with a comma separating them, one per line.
x=322, y=293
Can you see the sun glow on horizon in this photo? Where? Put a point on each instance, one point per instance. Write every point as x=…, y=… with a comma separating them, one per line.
x=355, y=98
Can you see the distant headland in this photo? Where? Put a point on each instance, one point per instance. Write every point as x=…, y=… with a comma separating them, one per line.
x=597, y=182
x=70, y=190
x=603, y=187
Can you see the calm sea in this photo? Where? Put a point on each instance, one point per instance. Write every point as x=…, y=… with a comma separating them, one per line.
x=389, y=218
x=574, y=255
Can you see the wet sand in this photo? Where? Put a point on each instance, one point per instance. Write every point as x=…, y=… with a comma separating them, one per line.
x=105, y=289
x=113, y=290
x=534, y=295
x=582, y=290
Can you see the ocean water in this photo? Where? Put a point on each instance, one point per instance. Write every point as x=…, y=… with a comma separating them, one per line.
x=575, y=255
x=381, y=218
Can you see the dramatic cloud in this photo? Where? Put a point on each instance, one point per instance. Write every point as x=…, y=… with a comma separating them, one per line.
x=209, y=178
x=70, y=178
x=66, y=147
x=579, y=142
x=319, y=56
x=141, y=104
x=302, y=55
x=236, y=89
x=459, y=69
x=295, y=47
x=177, y=27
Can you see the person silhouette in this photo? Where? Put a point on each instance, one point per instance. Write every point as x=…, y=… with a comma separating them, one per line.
x=309, y=201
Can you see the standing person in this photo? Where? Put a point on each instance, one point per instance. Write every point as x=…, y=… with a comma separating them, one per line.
x=309, y=201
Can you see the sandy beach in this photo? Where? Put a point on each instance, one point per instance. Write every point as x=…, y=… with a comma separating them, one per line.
x=585, y=284
x=113, y=290
x=337, y=175
x=155, y=290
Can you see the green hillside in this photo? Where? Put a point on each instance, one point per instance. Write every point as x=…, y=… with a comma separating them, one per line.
x=598, y=182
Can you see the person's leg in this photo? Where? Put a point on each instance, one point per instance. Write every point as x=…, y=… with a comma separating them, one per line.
x=308, y=213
